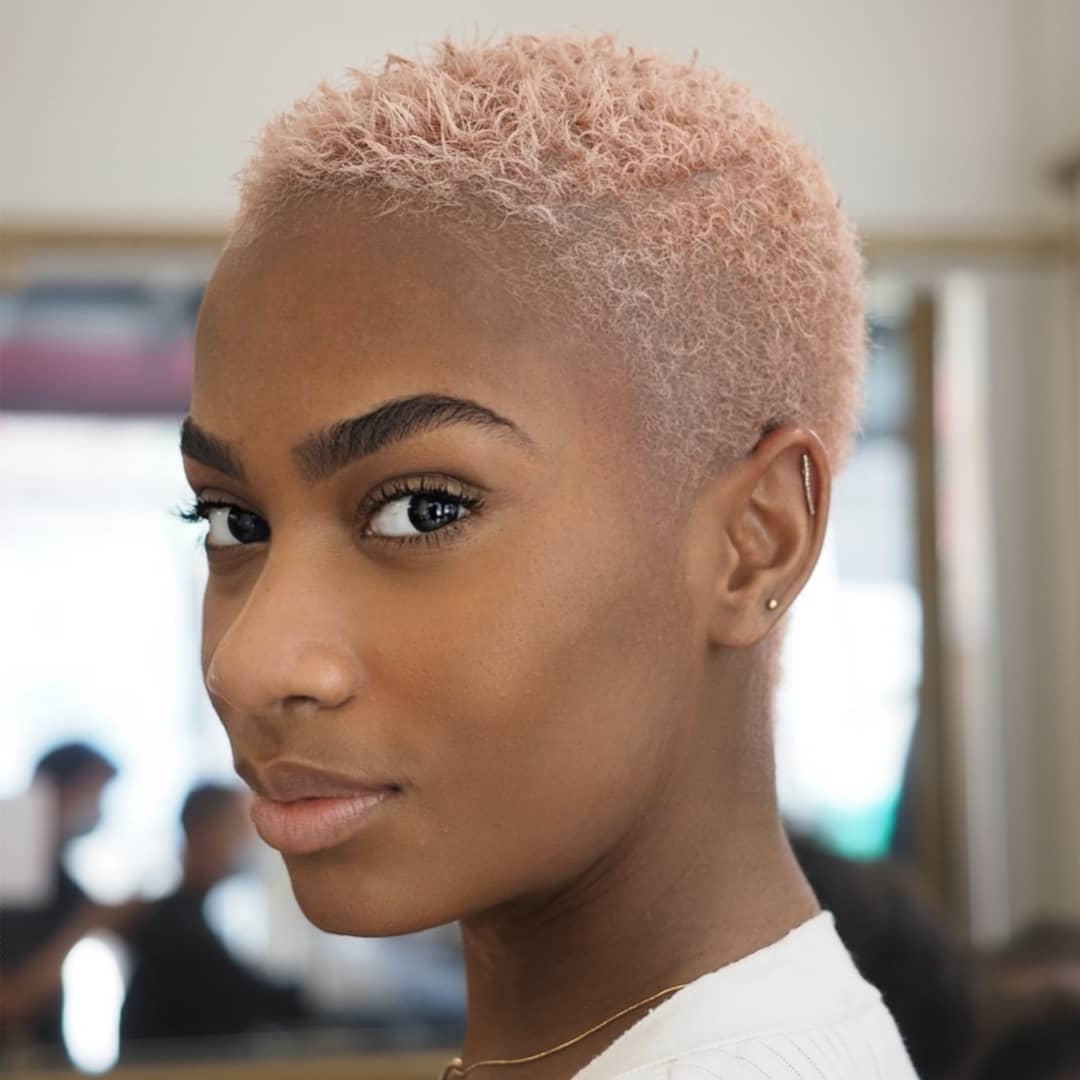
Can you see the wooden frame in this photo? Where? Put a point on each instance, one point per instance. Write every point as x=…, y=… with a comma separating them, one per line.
x=425, y=1066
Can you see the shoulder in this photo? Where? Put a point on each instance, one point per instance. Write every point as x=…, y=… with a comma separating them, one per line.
x=864, y=1046
x=795, y=1010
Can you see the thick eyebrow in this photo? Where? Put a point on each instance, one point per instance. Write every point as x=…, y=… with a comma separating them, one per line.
x=321, y=454
x=201, y=446
x=325, y=452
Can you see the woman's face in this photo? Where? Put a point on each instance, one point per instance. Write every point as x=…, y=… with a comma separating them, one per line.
x=469, y=618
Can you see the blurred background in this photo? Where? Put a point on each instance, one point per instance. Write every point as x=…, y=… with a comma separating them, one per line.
x=930, y=711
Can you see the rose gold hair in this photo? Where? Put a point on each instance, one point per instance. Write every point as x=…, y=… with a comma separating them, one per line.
x=699, y=239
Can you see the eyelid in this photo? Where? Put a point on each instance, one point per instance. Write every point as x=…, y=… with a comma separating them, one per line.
x=397, y=487
x=210, y=494
x=471, y=498
x=196, y=510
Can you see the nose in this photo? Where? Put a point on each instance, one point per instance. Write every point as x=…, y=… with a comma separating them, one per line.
x=288, y=646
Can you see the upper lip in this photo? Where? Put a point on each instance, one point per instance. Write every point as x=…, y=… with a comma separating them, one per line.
x=287, y=781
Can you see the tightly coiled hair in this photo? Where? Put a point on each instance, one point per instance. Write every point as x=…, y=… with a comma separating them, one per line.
x=696, y=238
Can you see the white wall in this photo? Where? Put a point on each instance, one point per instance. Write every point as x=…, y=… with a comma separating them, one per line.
x=929, y=113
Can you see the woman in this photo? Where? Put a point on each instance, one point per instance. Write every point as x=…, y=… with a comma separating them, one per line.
x=519, y=388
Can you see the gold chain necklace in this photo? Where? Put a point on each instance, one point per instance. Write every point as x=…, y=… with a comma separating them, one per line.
x=458, y=1070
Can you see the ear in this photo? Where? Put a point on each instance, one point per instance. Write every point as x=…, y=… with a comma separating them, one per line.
x=755, y=538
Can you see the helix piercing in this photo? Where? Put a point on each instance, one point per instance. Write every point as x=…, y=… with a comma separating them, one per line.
x=806, y=485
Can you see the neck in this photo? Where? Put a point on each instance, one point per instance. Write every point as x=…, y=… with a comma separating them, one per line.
x=702, y=879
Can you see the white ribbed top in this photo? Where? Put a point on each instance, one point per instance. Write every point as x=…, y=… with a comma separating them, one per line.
x=795, y=1010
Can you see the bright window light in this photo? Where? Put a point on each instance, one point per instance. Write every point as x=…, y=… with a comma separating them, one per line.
x=93, y=996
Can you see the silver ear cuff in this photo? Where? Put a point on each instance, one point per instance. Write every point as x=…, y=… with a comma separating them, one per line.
x=806, y=485
x=773, y=603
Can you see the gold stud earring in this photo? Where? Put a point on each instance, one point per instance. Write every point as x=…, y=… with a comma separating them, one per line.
x=773, y=604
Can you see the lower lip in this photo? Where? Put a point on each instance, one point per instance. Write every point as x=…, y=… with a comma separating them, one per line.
x=305, y=826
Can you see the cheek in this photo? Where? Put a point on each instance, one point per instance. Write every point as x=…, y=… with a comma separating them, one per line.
x=541, y=700
x=527, y=692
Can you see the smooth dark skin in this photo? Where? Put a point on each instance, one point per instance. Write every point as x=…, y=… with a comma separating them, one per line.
x=566, y=689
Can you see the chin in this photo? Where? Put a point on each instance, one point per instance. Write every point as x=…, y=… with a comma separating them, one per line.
x=346, y=900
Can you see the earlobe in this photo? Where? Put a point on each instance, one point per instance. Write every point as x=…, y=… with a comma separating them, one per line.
x=770, y=509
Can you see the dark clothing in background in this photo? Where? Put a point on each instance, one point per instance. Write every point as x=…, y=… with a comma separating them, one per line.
x=185, y=983
x=24, y=931
x=901, y=945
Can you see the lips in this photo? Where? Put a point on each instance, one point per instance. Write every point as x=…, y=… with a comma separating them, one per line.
x=301, y=810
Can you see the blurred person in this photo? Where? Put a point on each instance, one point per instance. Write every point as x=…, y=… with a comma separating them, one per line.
x=36, y=938
x=1029, y=1006
x=519, y=389
x=1031, y=1034
x=1043, y=954
x=184, y=982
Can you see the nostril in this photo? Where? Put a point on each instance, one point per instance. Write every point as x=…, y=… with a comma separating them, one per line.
x=304, y=704
x=300, y=700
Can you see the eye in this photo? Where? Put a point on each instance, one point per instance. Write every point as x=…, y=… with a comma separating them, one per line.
x=410, y=509
x=411, y=515
x=230, y=525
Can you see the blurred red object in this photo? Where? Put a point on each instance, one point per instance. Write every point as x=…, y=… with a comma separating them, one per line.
x=87, y=349
x=61, y=377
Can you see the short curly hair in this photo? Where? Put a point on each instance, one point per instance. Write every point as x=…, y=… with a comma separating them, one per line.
x=698, y=238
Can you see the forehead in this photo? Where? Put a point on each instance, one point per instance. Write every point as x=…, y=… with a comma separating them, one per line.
x=345, y=314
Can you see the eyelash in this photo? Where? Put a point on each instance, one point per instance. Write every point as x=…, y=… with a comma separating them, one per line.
x=387, y=492
x=433, y=486
x=198, y=510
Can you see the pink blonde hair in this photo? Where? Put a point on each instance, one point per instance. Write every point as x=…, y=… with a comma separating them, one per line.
x=699, y=240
